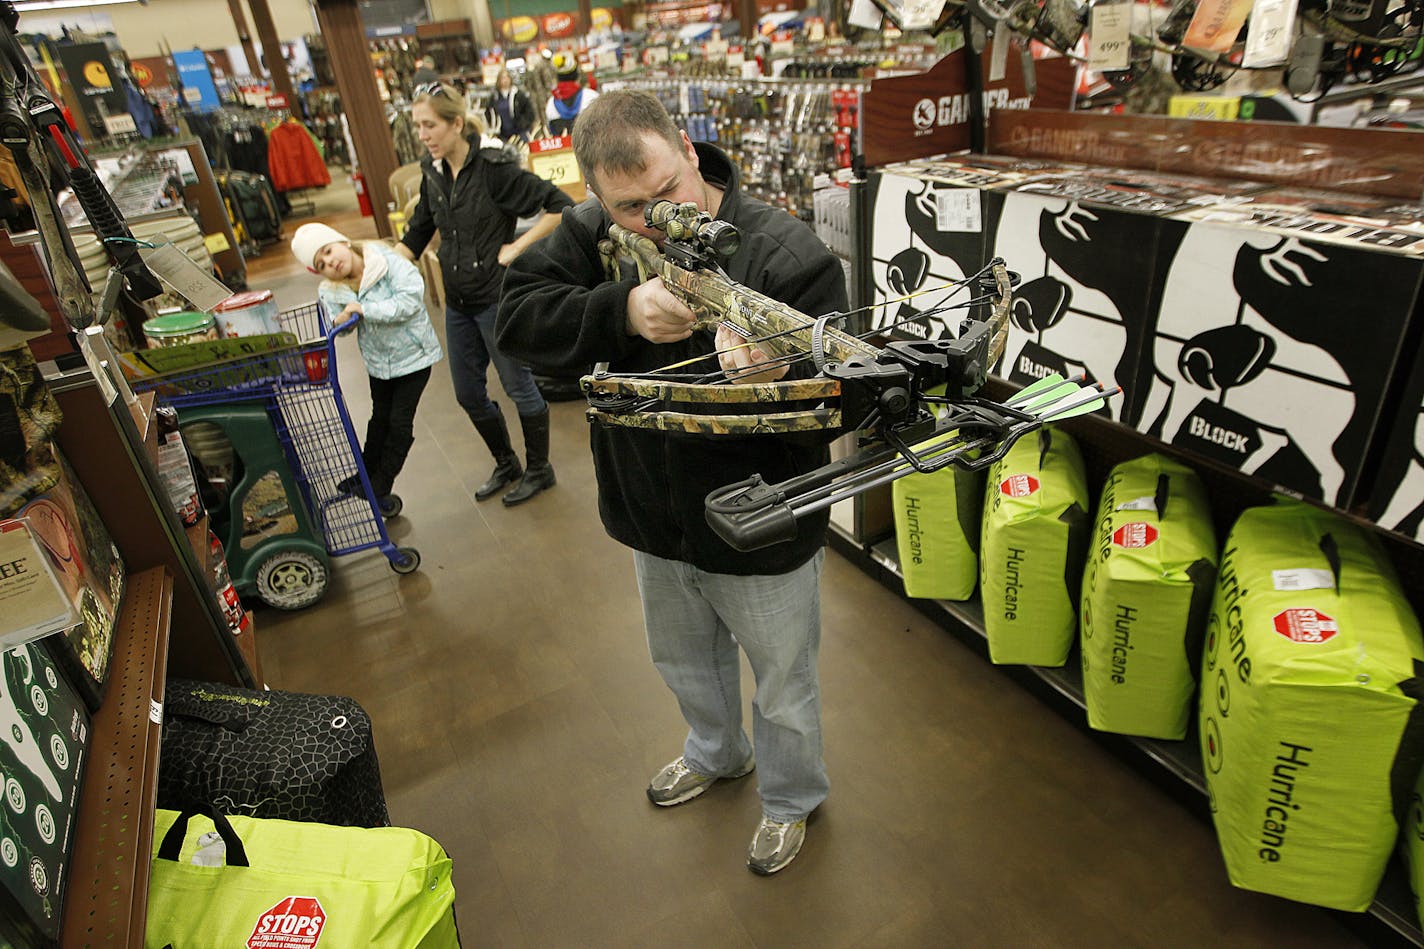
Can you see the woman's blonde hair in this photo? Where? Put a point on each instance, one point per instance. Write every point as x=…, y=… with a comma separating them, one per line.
x=448, y=105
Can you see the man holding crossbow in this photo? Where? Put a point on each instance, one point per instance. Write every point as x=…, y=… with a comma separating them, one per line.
x=566, y=307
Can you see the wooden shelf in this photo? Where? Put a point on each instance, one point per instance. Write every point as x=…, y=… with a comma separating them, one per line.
x=107, y=899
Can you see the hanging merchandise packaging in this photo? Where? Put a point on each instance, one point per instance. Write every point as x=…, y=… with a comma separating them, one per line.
x=1310, y=719
x=175, y=470
x=29, y=415
x=1146, y=592
x=1035, y=538
x=274, y=884
x=937, y=530
x=91, y=572
x=282, y=755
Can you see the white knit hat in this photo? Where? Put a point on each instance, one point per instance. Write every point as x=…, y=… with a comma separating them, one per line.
x=311, y=238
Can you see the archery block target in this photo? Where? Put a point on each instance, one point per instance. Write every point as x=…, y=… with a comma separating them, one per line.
x=1031, y=552
x=1146, y=591
x=937, y=530
x=921, y=239
x=1309, y=719
x=1271, y=356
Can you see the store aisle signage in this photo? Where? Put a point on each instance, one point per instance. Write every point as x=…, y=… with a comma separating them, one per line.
x=197, y=79
x=907, y=117
x=553, y=160
x=558, y=26
x=600, y=18
x=520, y=29
x=90, y=72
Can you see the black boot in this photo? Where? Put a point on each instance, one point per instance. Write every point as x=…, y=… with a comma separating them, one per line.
x=507, y=469
x=536, y=452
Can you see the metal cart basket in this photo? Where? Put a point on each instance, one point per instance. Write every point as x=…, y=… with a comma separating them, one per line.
x=299, y=389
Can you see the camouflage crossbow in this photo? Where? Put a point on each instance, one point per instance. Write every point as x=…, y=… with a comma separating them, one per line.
x=912, y=403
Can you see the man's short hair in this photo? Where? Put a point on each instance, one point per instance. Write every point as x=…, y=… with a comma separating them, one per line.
x=608, y=135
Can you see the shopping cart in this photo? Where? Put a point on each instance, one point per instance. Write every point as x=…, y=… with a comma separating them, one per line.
x=298, y=389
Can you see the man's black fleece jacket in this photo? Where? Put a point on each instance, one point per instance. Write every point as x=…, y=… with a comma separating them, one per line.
x=559, y=311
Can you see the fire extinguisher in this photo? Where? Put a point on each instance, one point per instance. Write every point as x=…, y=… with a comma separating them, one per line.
x=358, y=178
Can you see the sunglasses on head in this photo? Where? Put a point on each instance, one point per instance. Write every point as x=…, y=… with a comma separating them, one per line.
x=430, y=89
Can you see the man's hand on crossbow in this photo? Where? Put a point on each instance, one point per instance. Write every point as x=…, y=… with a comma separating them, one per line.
x=739, y=361
x=656, y=315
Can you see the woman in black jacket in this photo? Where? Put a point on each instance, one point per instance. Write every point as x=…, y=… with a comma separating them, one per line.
x=473, y=192
x=510, y=114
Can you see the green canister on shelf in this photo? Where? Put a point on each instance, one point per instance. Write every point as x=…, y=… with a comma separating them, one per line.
x=177, y=329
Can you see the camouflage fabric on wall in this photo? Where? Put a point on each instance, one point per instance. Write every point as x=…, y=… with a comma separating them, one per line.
x=29, y=415
x=281, y=755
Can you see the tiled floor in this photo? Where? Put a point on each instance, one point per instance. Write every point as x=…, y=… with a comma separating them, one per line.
x=518, y=719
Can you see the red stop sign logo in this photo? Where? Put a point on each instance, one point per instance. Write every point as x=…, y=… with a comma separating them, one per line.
x=294, y=923
x=1136, y=534
x=1305, y=626
x=1019, y=485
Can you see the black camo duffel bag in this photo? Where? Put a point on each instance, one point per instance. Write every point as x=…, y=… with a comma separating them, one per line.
x=279, y=755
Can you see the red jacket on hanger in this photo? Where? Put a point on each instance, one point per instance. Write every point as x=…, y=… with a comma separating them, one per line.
x=293, y=162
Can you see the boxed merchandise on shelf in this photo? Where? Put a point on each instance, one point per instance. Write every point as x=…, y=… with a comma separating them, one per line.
x=90, y=572
x=1227, y=335
x=47, y=732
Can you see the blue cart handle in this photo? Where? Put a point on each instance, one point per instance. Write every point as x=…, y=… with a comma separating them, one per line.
x=343, y=327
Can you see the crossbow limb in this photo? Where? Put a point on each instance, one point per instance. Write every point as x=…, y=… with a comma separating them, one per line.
x=912, y=402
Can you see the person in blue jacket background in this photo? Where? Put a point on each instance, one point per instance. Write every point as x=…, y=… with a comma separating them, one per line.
x=397, y=340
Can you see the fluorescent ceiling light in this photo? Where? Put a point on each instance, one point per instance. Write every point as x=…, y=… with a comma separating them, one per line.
x=22, y=7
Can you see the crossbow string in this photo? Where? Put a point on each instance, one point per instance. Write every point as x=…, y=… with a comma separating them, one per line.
x=912, y=403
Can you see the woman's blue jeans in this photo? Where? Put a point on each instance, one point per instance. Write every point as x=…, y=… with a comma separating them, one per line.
x=469, y=337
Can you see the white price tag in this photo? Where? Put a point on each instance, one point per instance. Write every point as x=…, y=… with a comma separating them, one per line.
x=1269, y=33
x=999, y=51
x=920, y=14
x=155, y=712
x=656, y=55
x=783, y=46
x=120, y=124
x=1303, y=578
x=864, y=14
x=191, y=95
x=957, y=210
x=716, y=49
x=1138, y=504
x=1109, y=45
x=177, y=270
x=735, y=59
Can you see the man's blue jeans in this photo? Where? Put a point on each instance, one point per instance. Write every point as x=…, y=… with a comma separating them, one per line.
x=695, y=622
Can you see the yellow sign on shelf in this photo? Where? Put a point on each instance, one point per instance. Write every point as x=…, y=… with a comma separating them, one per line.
x=1219, y=108
x=558, y=167
x=216, y=243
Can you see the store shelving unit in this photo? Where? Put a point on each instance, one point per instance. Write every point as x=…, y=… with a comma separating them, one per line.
x=867, y=540
x=169, y=622
x=107, y=901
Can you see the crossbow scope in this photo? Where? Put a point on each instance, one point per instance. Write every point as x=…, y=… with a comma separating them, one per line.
x=686, y=224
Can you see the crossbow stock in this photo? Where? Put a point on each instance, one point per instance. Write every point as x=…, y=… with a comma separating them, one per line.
x=912, y=403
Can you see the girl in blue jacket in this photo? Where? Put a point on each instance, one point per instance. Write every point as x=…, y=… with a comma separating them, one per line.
x=395, y=334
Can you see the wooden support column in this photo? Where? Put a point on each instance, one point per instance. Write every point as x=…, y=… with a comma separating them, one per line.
x=345, y=34
x=272, y=45
x=585, y=16
x=747, y=20
x=244, y=36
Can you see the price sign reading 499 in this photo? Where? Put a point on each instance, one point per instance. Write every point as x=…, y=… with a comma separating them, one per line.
x=1109, y=45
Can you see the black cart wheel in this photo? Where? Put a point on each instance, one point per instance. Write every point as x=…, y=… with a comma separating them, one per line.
x=390, y=505
x=291, y=580
x=408, y=560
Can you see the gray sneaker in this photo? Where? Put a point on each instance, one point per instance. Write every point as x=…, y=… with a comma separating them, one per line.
x=677, y=783
x=775, y=845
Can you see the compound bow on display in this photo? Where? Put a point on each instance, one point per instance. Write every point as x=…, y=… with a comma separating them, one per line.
x=912, y=403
